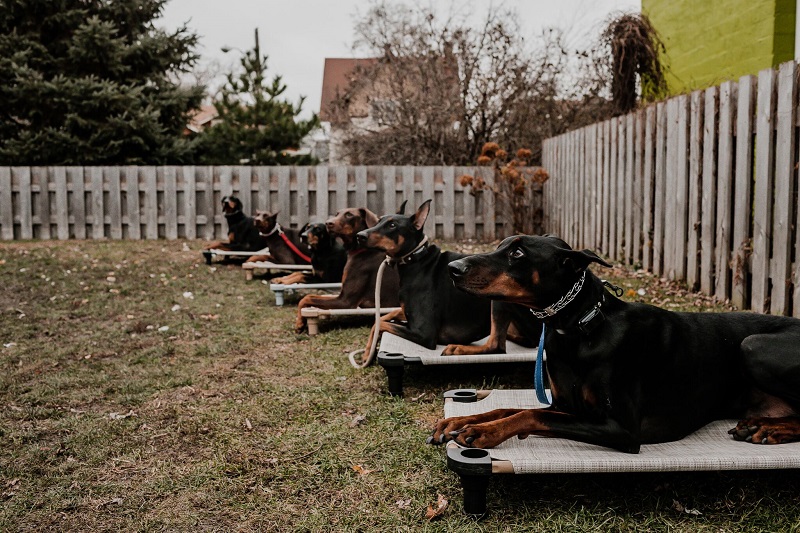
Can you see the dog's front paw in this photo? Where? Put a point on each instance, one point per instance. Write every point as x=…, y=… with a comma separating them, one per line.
x=767, y=430
x=300, y=326
x=453, y=349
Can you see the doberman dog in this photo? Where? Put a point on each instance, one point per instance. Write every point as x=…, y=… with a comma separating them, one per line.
x=626, y=374
x=436, y=312
x=285, y=246
x=243, y=236
x=328, y=257
x=360, y=270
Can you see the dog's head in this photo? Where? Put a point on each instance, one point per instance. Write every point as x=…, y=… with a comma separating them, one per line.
x=397, y=234
x=265, y=222
x=314, y=234
x=531, y=270
x=231, y=205
x=347, y=222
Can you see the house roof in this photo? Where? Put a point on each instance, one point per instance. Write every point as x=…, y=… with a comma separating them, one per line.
x=339, y=73
x=201, y=117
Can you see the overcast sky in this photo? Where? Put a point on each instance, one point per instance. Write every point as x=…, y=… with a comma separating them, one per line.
x=298, y=35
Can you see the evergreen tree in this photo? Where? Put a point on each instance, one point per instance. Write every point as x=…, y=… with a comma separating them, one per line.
x=92, y=82
x=255, y=125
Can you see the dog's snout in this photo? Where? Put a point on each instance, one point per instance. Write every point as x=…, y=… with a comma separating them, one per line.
x=458, y=268
x=361, y=237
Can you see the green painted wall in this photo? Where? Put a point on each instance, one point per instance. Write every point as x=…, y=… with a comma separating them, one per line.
x=709, y=41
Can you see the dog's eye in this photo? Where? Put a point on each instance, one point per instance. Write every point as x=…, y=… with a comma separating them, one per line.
x=348, y=215
x=391, y=225
x=516, y=254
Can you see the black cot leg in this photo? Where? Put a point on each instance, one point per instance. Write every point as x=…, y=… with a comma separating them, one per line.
x=394, y=364
x=474, y=468
x=207, y=256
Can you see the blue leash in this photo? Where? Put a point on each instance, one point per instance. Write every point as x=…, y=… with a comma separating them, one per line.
x=538, y=374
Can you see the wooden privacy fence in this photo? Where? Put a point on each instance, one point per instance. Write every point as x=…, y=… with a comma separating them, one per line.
x=184, y=202
x=701, y=188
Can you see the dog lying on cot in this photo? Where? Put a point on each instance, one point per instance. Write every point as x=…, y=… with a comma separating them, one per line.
x=243, y=236
x=328, y=257
x=360, y=270
x=626, y=374
x=285, y=245
x=436, y=312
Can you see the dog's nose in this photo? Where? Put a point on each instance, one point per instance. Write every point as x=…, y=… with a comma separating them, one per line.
x=458, y=268
x=361, y=237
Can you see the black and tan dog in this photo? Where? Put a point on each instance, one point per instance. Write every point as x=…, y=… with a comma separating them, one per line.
x=328, y=257
x=360, y=270
x=285, y=245
x=243, y=236
x=436, y=312
x=626, y=374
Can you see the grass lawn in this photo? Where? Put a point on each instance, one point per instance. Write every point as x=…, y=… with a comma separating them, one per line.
x=143, y=390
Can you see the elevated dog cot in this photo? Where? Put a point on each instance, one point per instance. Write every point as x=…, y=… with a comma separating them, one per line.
x=314, y=314
x=279, y=289
x=208, y=255
x=249, y=268
x=396, y=352
x=709, y=448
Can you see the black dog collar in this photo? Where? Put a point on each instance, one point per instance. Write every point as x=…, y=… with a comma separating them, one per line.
x=414, y=255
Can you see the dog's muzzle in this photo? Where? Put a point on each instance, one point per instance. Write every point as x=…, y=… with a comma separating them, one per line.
x=458, y=269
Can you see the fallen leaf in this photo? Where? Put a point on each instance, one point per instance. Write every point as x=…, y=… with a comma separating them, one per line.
x=188, y=295
x=357, y=421
x=176, y=307
x=441, y=504
x=120, y=416
x=116, y=501
x=361, y=470
x=247, y=423
x=403, y=504
x=163, y=328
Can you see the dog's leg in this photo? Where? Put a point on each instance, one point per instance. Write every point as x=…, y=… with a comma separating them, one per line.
x=344, y=300
x=545, y=422
x=496, y=343
x=294, y=277
x=441, y=432
x=258, y=258
x=769, y=361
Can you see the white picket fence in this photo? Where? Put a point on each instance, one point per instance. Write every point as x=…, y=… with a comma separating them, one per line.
x=184, y=202
x=701, y=188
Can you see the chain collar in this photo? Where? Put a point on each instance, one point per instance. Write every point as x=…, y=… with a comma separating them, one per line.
x=563, y=302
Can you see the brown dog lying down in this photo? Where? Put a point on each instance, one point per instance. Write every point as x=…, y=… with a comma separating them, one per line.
x=285, y=245
x=360, y=271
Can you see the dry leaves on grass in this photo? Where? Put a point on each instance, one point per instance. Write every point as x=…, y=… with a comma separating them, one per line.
x=435, y=512
x=678, y=506
x=361, y=470
x=403, y=504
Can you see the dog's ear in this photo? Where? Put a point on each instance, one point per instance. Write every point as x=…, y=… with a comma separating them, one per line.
x=402, y=210
x=369, y=218
x=581, y=259
x=422, y=214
